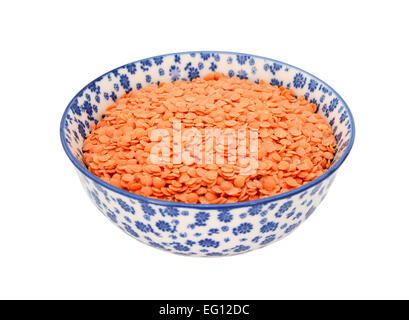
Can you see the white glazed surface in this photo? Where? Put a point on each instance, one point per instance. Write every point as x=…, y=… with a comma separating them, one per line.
x=204, y=230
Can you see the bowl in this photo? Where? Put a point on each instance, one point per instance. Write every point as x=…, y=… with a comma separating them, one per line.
x=199, y=229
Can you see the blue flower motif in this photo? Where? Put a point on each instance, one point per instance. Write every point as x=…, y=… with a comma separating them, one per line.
x=284, y=207
x=170, y=211
x=243, y=228
x=255, y=210
x=268, y=239
x=146, y=64
x=229, y=60
x=158, y=60
x=180, y=247
x=148, y=209
x=299, y=80
x=93, y=87
x=216, y=57
x=148, y=78
x=187, y=66
x=309, y=212
x=207, y=243
x=241, y=59
x=193, y=73
x=200, y=65
x=277, y=66
x=143, y=227
x=333, y=104
x=177, y=58
x=174, y=73
x=324, y=89
x=225, y=228
x=338, y=137
x=87, y=108
x=81, y=129
x=292, y=227
x=224, y=215
x=343, y=117
x=213, y=231
x=190, y=242
x=271, y=226
x=272, y=206
x=256, y=239
x=312, y=85
x=213, y=67
x=205, y=56
x=201, y=217
x=252, y=61
x=315, y=189
x=290, y=214
x=297, y=216
x=138, y=86
x=164, y=226
x=131, y=68
x=266, y=67
x=276, y=82
x=129, y=229
x=125, y=206
x=112, y=216
x=231, y=73
x=242, y=74
x=241, y=248
x=161, y=72
x=75, y=108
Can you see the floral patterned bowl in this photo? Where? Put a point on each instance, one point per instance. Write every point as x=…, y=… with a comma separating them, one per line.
x=204, y=230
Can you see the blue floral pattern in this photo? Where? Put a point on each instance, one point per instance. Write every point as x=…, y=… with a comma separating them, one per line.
x=194, y=230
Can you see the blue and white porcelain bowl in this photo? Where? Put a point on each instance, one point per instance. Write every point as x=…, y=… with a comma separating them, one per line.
x=196, y=229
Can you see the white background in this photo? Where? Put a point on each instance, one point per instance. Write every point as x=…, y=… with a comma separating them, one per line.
x=55, y=244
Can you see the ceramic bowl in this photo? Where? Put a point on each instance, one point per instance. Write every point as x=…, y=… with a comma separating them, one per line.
x=204, y=230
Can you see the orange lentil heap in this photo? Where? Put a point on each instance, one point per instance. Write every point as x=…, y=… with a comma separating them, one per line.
x=295, y=144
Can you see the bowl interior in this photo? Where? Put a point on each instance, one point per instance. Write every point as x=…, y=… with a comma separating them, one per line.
x=89, y=104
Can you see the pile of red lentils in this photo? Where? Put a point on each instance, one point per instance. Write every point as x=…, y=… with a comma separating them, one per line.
x=295, y=144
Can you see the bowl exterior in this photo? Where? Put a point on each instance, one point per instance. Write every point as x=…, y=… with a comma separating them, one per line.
x=208, y=232
x=203, y=230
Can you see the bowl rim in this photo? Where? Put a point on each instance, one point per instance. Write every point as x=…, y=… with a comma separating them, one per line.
x=250, y=203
